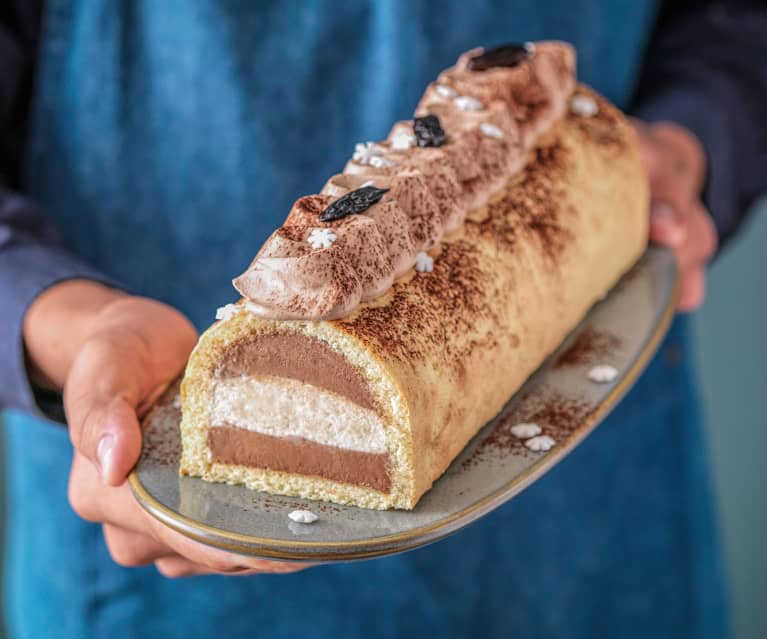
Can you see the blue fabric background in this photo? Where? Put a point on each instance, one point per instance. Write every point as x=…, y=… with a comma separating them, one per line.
x=169, y=138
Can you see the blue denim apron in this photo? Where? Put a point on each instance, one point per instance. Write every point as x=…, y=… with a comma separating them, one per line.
x=168, y=139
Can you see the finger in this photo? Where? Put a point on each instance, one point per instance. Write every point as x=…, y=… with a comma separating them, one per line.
x=94, y=501
x=130, y=549
x=701, y=241
x=100, y=398
x=217, y=560
x=132, y=535
x=648, y=147
x=175, y=567
x=671, y=184
x=672, y=153
x=118, y=507
x=119, y=442
x=665, y=192
x=703, y=233
x=666, y=227
x=178, y=567
x=693, y=290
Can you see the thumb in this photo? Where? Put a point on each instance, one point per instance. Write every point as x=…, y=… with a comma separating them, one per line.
x=101, y=415
x=108, y=434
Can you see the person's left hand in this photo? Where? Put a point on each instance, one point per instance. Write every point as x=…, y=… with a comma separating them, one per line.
x=676, y=167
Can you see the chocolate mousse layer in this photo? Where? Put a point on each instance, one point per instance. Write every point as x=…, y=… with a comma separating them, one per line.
x=243, y=447
x=299, y=357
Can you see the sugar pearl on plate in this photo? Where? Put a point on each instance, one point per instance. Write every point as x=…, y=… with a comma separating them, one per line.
x=303, y=516
x=603, y=374
x=525, y=431
x=540, y=444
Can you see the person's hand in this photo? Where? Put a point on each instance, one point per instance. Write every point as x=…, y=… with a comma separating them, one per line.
x=114, y=354
x=676, y=166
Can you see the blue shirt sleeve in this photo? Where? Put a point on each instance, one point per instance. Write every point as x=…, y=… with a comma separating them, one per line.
x=704, y=69
x=32, y=257
x=31, y=260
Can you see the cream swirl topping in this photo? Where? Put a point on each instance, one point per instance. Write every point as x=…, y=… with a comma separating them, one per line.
x=430, y=189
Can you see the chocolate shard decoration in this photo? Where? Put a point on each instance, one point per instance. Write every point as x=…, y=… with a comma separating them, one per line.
x=506, y=55
x=428, y=131
x=356, y=201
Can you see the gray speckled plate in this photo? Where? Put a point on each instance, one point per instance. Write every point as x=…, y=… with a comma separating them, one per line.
x=623, y=330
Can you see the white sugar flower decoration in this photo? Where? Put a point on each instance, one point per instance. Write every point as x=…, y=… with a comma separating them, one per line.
x=467, y=103
x=303, y=516
x=403, y=141
x=227, y=312
x=424, y=263
x=321, y=238
x=540, y=444
x=380, y=162
x=525, y=431
x=603, y=374
x=445, y=91
x=584, y=105
x=371, y=154
x=490, y=130
x=363, y=151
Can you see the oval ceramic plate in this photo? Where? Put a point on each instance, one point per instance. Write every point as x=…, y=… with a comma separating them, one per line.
x=623, y=330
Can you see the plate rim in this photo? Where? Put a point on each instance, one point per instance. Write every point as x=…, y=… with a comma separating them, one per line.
x=297, y=550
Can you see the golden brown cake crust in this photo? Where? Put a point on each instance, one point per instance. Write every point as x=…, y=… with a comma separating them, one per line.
x=535, y=210
x=445, y=350
x=555, y=241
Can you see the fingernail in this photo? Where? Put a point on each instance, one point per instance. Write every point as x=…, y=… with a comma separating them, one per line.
x=104, y=454
x=668, y=229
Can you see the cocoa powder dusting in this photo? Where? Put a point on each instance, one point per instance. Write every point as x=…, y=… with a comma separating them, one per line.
x=272, y=503
x=411, y=328
x=560, y=417
x=294, y=233
x=557, y=416
x=535, y=206
x=162, y=438
x=306, y=211
x=457, y=287
x=589, y=347
x=529, y=99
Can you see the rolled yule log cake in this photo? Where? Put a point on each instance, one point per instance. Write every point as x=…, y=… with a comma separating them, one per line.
x=394, y=313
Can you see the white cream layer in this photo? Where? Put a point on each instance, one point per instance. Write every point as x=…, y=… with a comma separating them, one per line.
x=283, y=407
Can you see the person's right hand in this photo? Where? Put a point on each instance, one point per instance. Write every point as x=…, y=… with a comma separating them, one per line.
x=114, y=355
x=676, y=168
